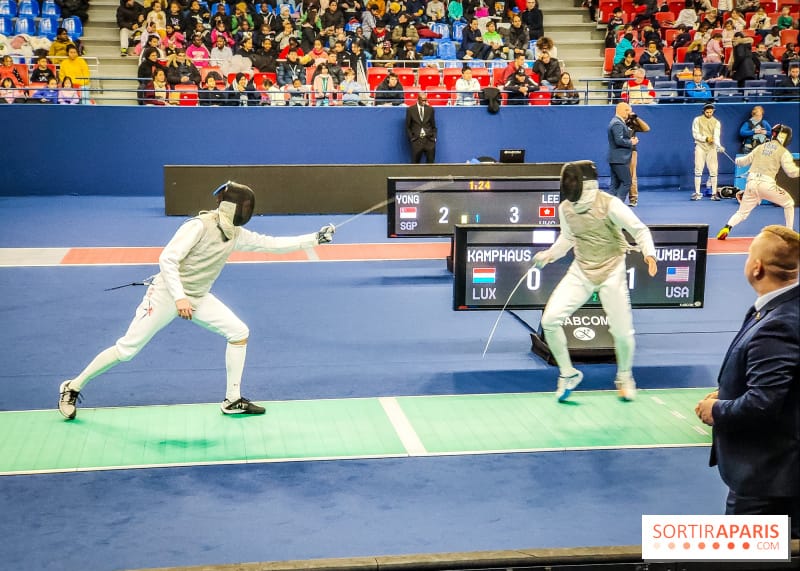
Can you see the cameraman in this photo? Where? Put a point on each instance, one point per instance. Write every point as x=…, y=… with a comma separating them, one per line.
x=637, y=125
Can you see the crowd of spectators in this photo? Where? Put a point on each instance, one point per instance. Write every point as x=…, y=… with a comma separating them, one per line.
x=723, y=41
x=282, y=49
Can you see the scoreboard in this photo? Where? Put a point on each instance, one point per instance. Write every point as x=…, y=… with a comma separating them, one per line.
x=427, y=207
x=489, y=262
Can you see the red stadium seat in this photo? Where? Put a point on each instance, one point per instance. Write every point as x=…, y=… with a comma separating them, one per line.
x=450, y=76
x=187, y=95
x=482, y=75
x=541, y=97
x=428, y=77
x=410, y=95
x=375, y=75
x=438, y=95
x=406, y=76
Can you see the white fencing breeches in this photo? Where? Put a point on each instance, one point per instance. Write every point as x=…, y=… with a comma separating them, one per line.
x=570, y=294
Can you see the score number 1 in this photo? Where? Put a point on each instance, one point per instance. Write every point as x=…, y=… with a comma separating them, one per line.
x=534, y=279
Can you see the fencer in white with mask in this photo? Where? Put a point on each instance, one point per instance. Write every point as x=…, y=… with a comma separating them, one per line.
x=189, y=265
x=591, y=226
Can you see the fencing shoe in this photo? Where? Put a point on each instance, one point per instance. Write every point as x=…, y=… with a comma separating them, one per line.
x=241, y=406
x=722, y=234
x=67, y=401
x=697, y=196
x=626, y=387
x=567, y=384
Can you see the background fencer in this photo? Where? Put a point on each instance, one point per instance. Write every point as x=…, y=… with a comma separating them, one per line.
x=189, y=265
x=765, y=161
x=591, y=226
x=706, y=132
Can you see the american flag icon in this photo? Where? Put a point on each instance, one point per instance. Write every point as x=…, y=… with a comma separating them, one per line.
x=677, y=273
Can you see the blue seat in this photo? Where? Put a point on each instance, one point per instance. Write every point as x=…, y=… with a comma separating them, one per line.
x=6, y=26
x=50, y=8
x=8, y=8
x=446, y=50
x=727, y=91
x=214, y=8
x=441, y=29
x=73, y=26
x=770, y=68
x=653, y=70
x=667, y=92
x=711, y=70
x=25, y=26
x=680, y=68
x=458, y=30
x=48, y=26
x=756, y=90
x=28, y=9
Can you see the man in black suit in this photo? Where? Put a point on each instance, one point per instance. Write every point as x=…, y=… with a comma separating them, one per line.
x=755, y=413
x=421, y=129
x=621, y=140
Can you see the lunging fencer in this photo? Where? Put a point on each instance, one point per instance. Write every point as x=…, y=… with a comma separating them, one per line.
x=765, y=161
x=591, y=225
x=189, y=265
x=706, y=132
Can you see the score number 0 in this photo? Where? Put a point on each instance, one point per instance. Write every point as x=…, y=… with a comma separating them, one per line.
x=534, y=279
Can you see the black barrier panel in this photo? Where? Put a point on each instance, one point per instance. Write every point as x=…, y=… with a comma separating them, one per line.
x=316, y=189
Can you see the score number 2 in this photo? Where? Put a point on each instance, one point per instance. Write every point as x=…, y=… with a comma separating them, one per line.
x=513, y=214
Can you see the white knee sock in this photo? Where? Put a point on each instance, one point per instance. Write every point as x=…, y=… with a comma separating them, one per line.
x=99, y=365
x=234, y=366
x=697, y=181
x=624, y=347
x=557, y=342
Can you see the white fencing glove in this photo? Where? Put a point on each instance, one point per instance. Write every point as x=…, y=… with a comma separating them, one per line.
x=325, y=234
x=720, y=149
x=541, y=259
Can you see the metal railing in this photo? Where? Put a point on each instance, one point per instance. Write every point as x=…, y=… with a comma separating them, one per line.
x=592, y=91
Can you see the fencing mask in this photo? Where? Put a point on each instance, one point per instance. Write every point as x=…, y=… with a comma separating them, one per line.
x=782, y=134
x=242, y=196
x=573, y=177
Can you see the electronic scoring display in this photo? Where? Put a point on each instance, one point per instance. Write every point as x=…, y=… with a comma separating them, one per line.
x=427, y=207
x=489, y=261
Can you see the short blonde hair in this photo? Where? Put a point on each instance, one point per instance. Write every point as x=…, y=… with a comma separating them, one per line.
x=782, y=256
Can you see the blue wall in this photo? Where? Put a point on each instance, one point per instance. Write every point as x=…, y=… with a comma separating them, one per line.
x=106, y=150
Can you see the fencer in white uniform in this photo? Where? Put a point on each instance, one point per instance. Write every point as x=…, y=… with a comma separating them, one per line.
x=591, y=226
x=706, y=132
x=765, y=161
x=189, y=265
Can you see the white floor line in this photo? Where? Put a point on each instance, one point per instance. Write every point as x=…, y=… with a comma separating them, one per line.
x=402, y=427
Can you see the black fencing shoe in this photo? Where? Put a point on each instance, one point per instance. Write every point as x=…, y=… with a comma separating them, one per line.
x=241, y=406
x=67, y=401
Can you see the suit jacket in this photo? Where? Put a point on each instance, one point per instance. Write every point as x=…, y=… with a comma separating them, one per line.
x=414, y=124
x=756, y=435
x=619, y=142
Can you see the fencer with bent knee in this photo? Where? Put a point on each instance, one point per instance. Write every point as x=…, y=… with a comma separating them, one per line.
x=189, y=265
x=591, y=226
x=765, y=161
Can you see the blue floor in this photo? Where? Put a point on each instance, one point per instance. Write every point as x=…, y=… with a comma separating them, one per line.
x=322, y=331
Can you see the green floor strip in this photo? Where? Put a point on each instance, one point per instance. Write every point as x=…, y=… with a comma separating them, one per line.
x=180, y=435
x=535, y=421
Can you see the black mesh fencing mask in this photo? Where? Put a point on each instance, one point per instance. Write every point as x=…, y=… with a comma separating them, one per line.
x=242, y=196
x=782, y=134
x=572, y=177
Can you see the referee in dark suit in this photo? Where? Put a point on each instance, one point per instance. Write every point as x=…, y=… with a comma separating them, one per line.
x=421, y=129
x=755, y=414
